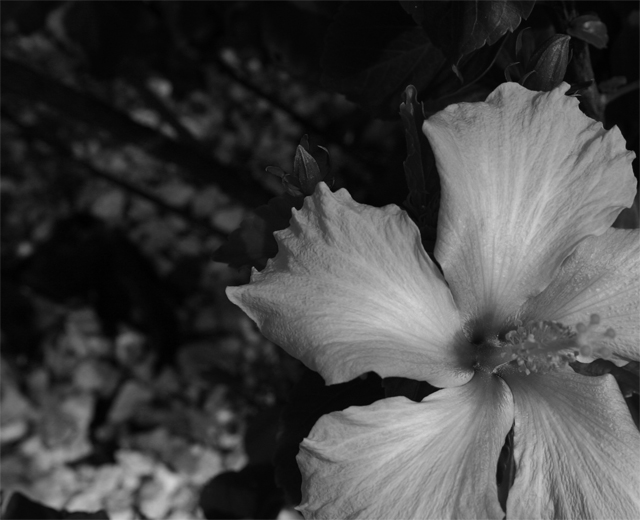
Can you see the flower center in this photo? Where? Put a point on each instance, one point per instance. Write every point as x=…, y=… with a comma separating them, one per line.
x=540, y=346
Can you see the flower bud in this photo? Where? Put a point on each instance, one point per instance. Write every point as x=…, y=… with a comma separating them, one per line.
x=310, y=166
x=547, y=67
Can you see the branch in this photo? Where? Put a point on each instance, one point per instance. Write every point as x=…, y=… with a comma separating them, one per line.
x=64, y=151
x=622, y=91
x=308, y=126
x=273, y=101
x=35, y=88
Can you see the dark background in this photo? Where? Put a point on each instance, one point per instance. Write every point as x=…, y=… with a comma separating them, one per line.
x=135, y=137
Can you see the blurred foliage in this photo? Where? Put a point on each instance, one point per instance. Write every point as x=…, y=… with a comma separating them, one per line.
x=135, y=137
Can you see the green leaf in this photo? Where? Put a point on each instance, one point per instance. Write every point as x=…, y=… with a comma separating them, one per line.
x=412, y=115
x=590, y=29
x=459, y=28
x=419, y=167
x=473, y=66
x=373, y=51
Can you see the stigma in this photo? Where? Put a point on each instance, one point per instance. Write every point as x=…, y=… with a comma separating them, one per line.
x=541, y=346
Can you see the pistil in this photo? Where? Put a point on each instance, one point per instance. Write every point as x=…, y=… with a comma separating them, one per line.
x=540, y=346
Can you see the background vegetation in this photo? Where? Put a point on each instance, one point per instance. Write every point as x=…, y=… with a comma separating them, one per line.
x=135, y=137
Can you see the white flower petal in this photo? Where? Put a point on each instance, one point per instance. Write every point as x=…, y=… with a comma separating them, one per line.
x=352, y=290
x=577, y=450
x=601, y=277
x=397, y=459
x=525, y=176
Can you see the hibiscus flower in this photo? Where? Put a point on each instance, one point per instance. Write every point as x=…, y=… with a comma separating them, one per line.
x=531, y=275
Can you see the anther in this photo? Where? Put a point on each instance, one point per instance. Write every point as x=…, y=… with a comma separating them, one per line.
x=540, y=346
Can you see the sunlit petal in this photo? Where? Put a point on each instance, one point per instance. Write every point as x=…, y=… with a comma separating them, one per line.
x=601, y=277
x=577, y=450
x=397, y=459
x=352, y=290
x=525, y=177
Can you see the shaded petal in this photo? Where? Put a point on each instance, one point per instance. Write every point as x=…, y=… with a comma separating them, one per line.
x=352, y=290
x=576, y=448
x=525, y=176
x=601, y=277
x=401, y=459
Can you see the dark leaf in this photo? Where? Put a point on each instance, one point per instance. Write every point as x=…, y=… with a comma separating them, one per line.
x=507, y=71
x=419, y=167
x=253, y=242
x=520, y=46
x=459, y=28
x=414, y=8
x=590, y=29
x=519, y=41
x=473, y=66
x=21, y=507
x=412, y=116
x=463, y=85
x=373, y=51
x=248, y=493
x=548, y=64
x=527, y=76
